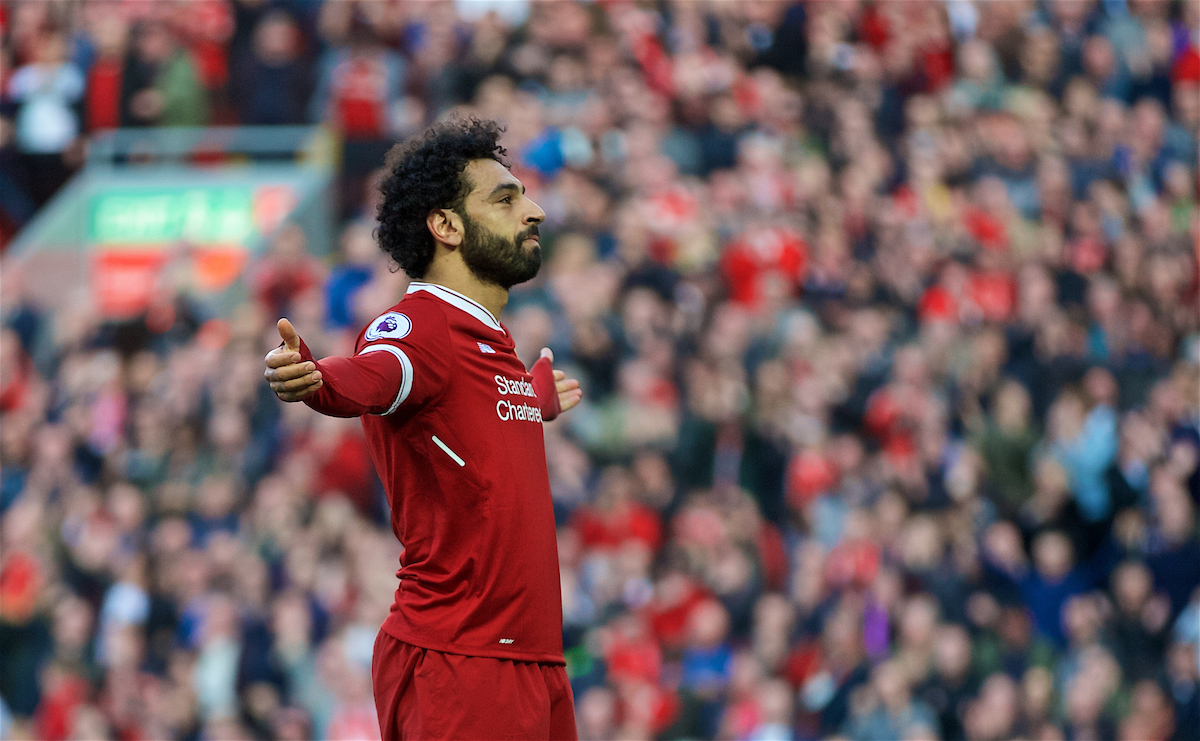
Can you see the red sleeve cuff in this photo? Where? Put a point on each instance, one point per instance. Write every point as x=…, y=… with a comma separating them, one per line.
x=545, y=388
x=305, y=353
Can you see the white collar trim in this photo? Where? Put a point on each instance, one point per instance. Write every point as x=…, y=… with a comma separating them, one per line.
x=456, y=299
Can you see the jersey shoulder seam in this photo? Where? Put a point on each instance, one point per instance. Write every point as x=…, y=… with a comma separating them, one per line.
x=417, y=311
x=442, y=309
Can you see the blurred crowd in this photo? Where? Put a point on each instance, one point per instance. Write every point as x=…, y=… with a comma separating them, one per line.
x=887, y=316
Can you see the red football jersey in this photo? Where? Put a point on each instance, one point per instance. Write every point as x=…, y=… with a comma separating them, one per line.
x=455, y=431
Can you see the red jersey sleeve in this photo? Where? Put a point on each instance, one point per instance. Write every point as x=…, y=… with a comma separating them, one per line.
x=402, y=359
x=353, y=386
x=546, y=389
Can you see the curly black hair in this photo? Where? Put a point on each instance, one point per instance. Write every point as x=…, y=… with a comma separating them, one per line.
x=426, y=172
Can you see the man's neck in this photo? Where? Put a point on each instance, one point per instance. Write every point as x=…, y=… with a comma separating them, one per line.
x=457, y=277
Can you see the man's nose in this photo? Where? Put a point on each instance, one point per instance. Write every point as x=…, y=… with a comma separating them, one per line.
x=535, y=216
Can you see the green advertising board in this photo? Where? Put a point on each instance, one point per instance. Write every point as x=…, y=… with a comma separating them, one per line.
x=200, y=215
x=201, y=202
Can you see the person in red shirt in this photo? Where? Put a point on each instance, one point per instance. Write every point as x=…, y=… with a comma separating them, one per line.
x=472, y=647
x=760, y=255
x=104, y=78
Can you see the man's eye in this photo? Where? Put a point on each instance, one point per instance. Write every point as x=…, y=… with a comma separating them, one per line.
x=506, y=199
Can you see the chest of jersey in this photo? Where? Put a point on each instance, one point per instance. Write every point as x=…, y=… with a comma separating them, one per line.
x=483, y=432
x=490, y=386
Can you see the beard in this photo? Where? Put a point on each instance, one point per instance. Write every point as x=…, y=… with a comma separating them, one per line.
x=494, y=259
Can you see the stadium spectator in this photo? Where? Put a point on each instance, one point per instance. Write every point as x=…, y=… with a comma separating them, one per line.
x=272, y=86
x=46, y=93
x=106, y=74
x=161, y=86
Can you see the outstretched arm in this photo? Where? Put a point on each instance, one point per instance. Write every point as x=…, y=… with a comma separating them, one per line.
x=338, y=387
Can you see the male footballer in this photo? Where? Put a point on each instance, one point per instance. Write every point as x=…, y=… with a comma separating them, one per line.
x=472, y=648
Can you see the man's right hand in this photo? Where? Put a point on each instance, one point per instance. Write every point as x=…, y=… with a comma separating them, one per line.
x=291, y=379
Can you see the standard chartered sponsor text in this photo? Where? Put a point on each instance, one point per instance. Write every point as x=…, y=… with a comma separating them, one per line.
x=506, y=411
x=513, y=386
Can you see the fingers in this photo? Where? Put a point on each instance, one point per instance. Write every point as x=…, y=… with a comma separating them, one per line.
x=568, y=399
x=563, y=385
x=296, y=384
x=288, y=372
x=288, y=333
x=280, y=357
x=569, y=393
x=291, y=379
x=300, y=395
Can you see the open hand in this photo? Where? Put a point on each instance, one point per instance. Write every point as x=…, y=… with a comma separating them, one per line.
x=291, y=379
x=569, y=393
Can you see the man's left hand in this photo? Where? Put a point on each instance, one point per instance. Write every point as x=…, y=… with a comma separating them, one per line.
x=569, y=392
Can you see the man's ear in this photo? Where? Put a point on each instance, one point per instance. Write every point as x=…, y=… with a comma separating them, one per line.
x=445, y=226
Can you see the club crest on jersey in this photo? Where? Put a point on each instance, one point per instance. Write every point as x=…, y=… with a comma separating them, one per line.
x=391, y=325
x=485, y=348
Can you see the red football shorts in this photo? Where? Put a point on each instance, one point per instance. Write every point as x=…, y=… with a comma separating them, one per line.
x=424, y=694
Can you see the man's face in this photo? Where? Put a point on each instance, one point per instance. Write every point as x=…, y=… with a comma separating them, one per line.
x=500, y=226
